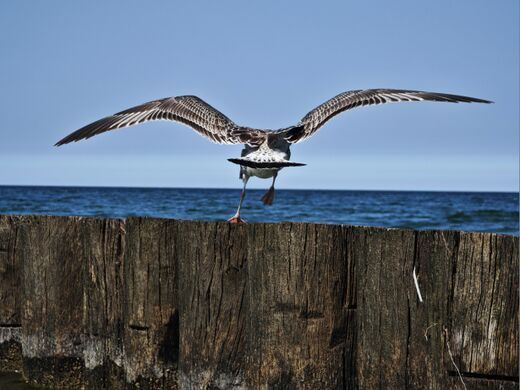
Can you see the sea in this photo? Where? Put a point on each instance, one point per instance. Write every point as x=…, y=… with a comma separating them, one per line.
x=496, y=212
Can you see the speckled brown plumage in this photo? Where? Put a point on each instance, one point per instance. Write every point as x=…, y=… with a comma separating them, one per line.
x=316, y=118
x=189, y=110
x=212, y=124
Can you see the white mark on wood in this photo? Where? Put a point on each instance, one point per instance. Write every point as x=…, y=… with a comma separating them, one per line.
x=446, y=243
x=491, y=340
x=93, y=353
x=451, y=357
x=208, y=378
x=10, y=334
x=417, y=285
x=427, y=329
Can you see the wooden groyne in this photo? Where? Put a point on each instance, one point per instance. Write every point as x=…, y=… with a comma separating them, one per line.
x=160, y=304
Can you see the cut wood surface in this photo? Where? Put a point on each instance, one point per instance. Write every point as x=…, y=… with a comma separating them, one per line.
x=161, y=304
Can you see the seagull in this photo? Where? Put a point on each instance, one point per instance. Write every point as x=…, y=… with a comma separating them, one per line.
x=265, y=151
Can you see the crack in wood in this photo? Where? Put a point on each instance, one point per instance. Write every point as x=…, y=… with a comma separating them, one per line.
x=490, y=377
x=140, y=328
x=311, y=314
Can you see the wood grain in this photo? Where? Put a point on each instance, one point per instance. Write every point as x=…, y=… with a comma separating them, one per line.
x=484, y=318
x=214, y=304
x=301, y=294
x=10, y=299
x=151, y=316
x=161, y=304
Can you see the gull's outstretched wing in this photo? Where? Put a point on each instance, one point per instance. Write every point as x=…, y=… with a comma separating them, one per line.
x=189, y=110
x=351, y=99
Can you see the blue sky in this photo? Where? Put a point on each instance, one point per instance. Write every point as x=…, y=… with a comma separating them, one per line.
x=65, y=64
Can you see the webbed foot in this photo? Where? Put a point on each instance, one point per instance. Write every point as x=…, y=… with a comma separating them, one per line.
x=236, y=219
x=268, y=197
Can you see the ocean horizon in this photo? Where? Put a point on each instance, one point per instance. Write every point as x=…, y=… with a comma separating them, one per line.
x=496, y=212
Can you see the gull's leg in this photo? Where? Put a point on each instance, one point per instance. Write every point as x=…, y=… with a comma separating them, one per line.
x=269, y=195
x=236, y=218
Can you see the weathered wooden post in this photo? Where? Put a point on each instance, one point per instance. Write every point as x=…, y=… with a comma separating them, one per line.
x=10, y=297
x=150, y=304
x=161, y=304
x=302, y=290
x=70, y=298
x=214, y=303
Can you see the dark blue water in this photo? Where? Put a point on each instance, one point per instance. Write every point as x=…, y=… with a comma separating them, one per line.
x=471, y=211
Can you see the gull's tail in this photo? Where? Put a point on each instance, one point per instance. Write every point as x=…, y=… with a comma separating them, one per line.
x=264, y=164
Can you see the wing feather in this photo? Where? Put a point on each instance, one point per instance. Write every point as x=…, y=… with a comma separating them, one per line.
x=188, y=110
x=316, y=118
